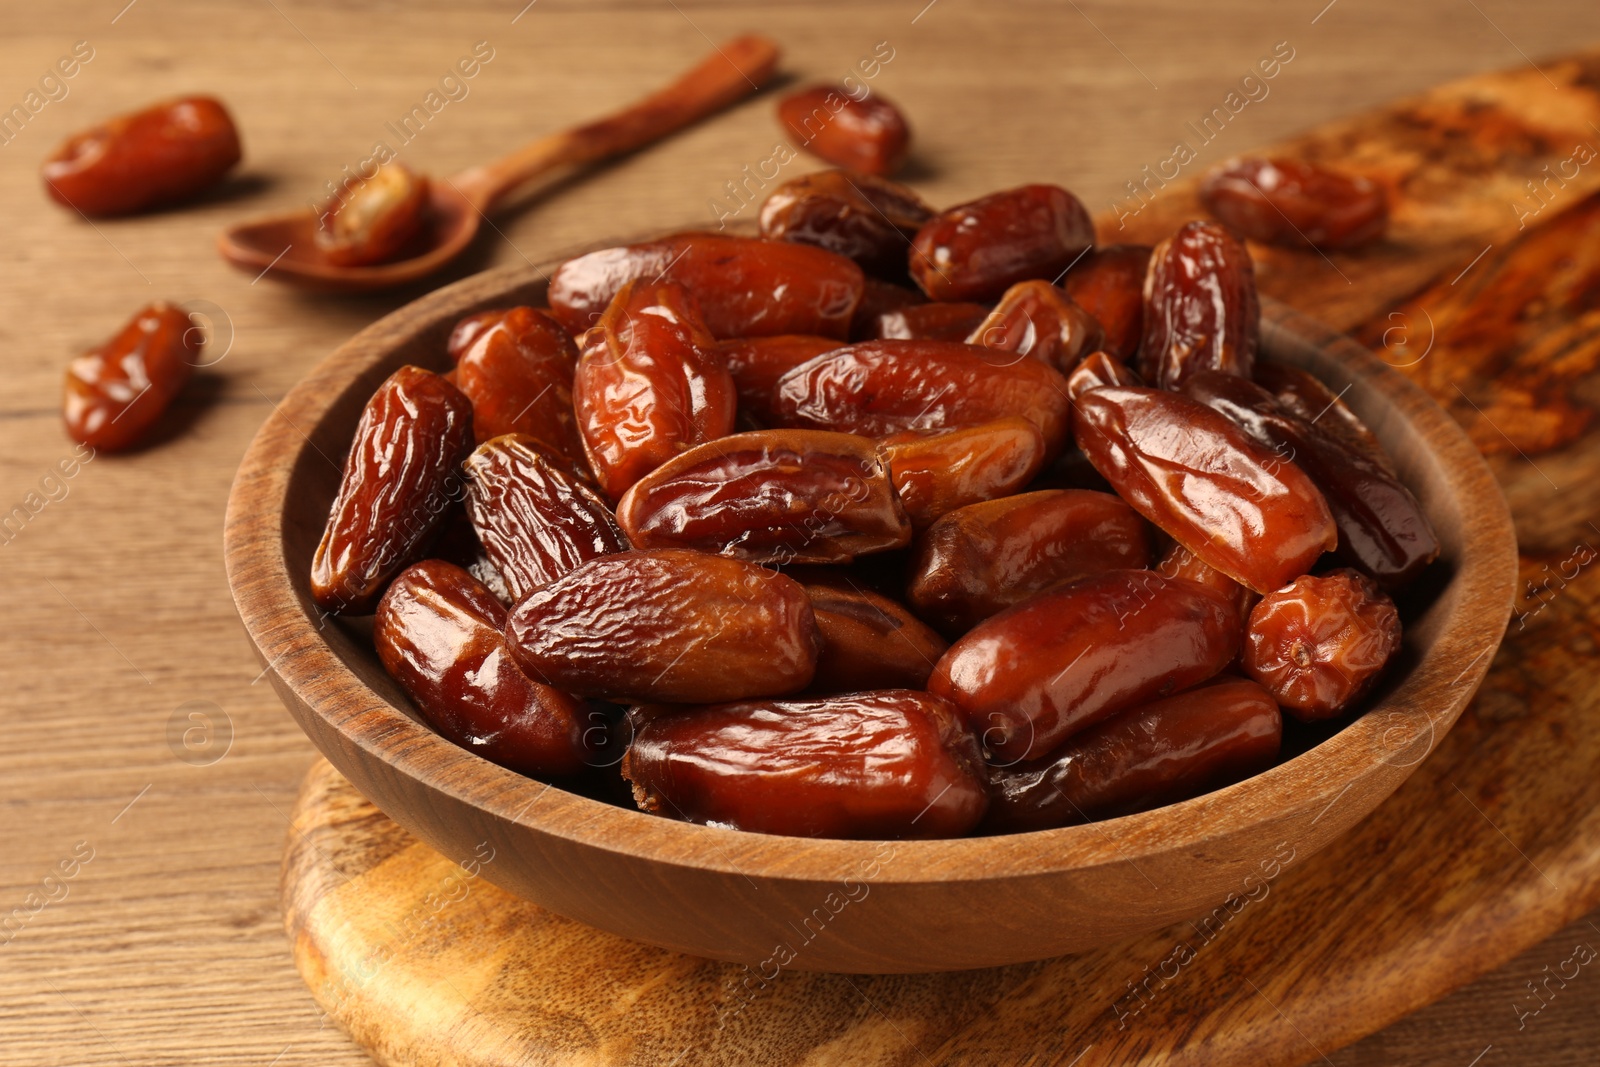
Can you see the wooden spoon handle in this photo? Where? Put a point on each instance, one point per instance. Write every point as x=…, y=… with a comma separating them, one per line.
x=735, y=70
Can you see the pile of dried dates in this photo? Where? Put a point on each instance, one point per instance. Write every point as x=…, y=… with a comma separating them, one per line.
x=889, y=523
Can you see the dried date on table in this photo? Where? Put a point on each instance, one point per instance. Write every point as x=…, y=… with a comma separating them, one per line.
x=516, y=366
x=650, y=384
x=977, y=250
x=1201, y=311
x=536, y=521
x=400, y=480
x=777, y=496
x=668, y=625
x=864, y=218
x=888, y=764
x=115, y=394
x=868, y=135
x=1031, y=677
x=438, y=633
x=1293, y=203
x=1243, y=509
x=745, y=287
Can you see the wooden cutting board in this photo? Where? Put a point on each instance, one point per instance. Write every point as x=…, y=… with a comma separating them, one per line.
x=1487, y=292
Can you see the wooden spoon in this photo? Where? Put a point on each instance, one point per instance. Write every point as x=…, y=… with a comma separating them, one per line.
x=284, y=246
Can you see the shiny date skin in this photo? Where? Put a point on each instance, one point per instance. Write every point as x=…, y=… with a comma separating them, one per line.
x=1320, y=644
x=1037, y=320
x=864, y=218
x=977, y=250
x=438, y=633
x=745, y=286
x=1143, y=758
x=115, y=394
x=936, y=473
x=400, y=480
x=878, y=299
x=1242, y=508
x=649, y=385
x=1201, y=311
x=979, y=560
x=1098, y=370
x=757, y=363
x=888, y=764
x=669, y=625
x=535, y=520
x=516, y=366
x=868, y=135
x=877, y=388
x=1304, y=395
x=1382, y=527
x=952, y=321
x=1292, y=203
x=162, y=155
x=373, y=219
x=869, y=641
x=1108, y=283
x=1031, y=677
x=770, y=496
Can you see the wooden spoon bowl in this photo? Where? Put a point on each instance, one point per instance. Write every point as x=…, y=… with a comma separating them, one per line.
x=854, y=906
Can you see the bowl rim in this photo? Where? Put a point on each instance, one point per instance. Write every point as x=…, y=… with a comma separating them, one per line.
x=280, y=620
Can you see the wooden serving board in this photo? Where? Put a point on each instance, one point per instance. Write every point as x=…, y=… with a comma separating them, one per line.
x=1487, y=294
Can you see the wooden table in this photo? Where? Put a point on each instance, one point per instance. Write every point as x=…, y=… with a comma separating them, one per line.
x=139, y=753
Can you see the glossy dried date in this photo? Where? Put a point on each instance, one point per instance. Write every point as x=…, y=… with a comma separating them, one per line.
x=1201, y=311
x=516, y=367
x=877, y=388
x=650, y=384
x=977, y=250
x=1382, y=528
x=889, y=764
x=952, y=321
x=1056, y=664
x=1293, y=203
x=869, y=134
x=745, y=287
x=116, y=393
x=1245, y=510
x=773, y=496
x=1143, y=758
x=1108, y=283
x=535, y=520
x=979, y=560
x=757, y=363
x=863, y=218
x=164, y=154
x=936, y=473
x=1098, y=370
x=400, y=480
x=1038, y=320
x=437, y=632
x=372, y=220
x=668, y=625
x=1319, y=644
x=1303, y=394
x=869, y=641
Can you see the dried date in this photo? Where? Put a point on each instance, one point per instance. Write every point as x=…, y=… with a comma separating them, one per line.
x=372, y=220
x=867, y=219
x=977, y=250
x=757, y=363
x=1038, y=320
x=936, y=473
x=869, y=641
x=1201, y=311
x=115, y=394
x=516, y=366
x=1293, y=203
x=868, y=134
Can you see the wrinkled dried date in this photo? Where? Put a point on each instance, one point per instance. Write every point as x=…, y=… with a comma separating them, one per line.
x=977, y=250
x=400, y=480
x=437, y=631
x=536, y=521
x=116, y=393
x=164, y=154
x=1245, y=510
x=745, y=287
x=801, y=496
x=867, y=219
x=516, y=367
x=878, y=388
x=869, y=641
x=889, y=764
x=1108, y=283
x=935, y=473
x=650, y=384
x=1143, y=758
x=373, y=219
x=952, y=321
x=1201, y=311
x=668, y=625
x=1029, y=678
x=869, y=135
x=1320, y=644
x=757, y=363
x=1038, y=320
x=981, y=559
x=1293, y=203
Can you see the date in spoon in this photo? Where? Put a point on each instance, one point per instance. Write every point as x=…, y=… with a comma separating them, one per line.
x=444, y=216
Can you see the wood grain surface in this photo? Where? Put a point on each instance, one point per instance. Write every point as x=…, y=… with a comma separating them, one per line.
x=133, y=733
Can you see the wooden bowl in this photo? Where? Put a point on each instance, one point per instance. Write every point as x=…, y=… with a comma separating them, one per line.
x=855, y=906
